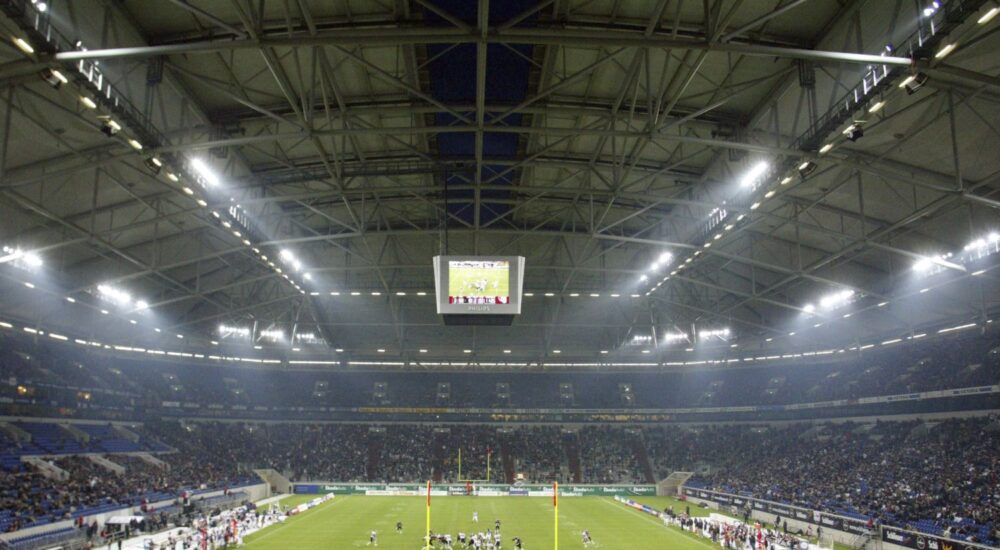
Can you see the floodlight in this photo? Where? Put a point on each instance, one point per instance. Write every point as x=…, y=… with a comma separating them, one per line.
x=31, y=259
x=153, y=164
x=205, y=171
x=54, y=78
x=854, y=132
x=806, y=168
x=913, y=83
x=754, y=174
x=109, y=127
x=674, y=337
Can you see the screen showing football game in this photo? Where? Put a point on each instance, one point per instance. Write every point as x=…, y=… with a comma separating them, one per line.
x=479, y=282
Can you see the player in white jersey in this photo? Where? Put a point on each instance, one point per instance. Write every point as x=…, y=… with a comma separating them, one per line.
x=461, y=538
x=587, y=541
x=373, y=539
x=475, y=517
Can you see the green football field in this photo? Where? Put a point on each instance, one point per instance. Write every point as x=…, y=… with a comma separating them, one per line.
x=460, y=281
x=346, y=521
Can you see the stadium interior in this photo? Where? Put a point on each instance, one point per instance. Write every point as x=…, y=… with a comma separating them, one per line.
x=730, y=267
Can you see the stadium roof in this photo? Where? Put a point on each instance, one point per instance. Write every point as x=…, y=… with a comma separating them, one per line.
x=590, y=136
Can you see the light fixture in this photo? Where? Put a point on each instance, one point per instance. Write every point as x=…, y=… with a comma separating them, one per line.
x=989, y=15
x=786, y=180
x=201, y=203
x=913, y=83
x=29, y=285
x=154, y=164
x=809, y=308
x=754, y=174
x=466, y=351
x=854, y=132
x=141, y=304
x=54, y=78
x=135, y=144
x=604, y=352
x=876, y=107
x=720, y=333
x=507, y=351
x=274, y=335
x=71, y=299
x=115, y=295
x=671, y=337
x=109, y=127
x=23, y=45
x=836, y=299
x=932, y=8
x=807, y=168
x=753, y=206
x=31, y=259
x=924, y=265
x=944, y=51
x=206, y=173
x=769, y=194
x=826, y=149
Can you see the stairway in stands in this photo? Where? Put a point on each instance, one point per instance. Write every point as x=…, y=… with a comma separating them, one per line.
x=508, y=461
x=441, y=443
x=375, y=444
x=572, y=448
x=642, y=457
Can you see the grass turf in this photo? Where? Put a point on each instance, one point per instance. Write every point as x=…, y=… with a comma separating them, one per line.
x=345, y=522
